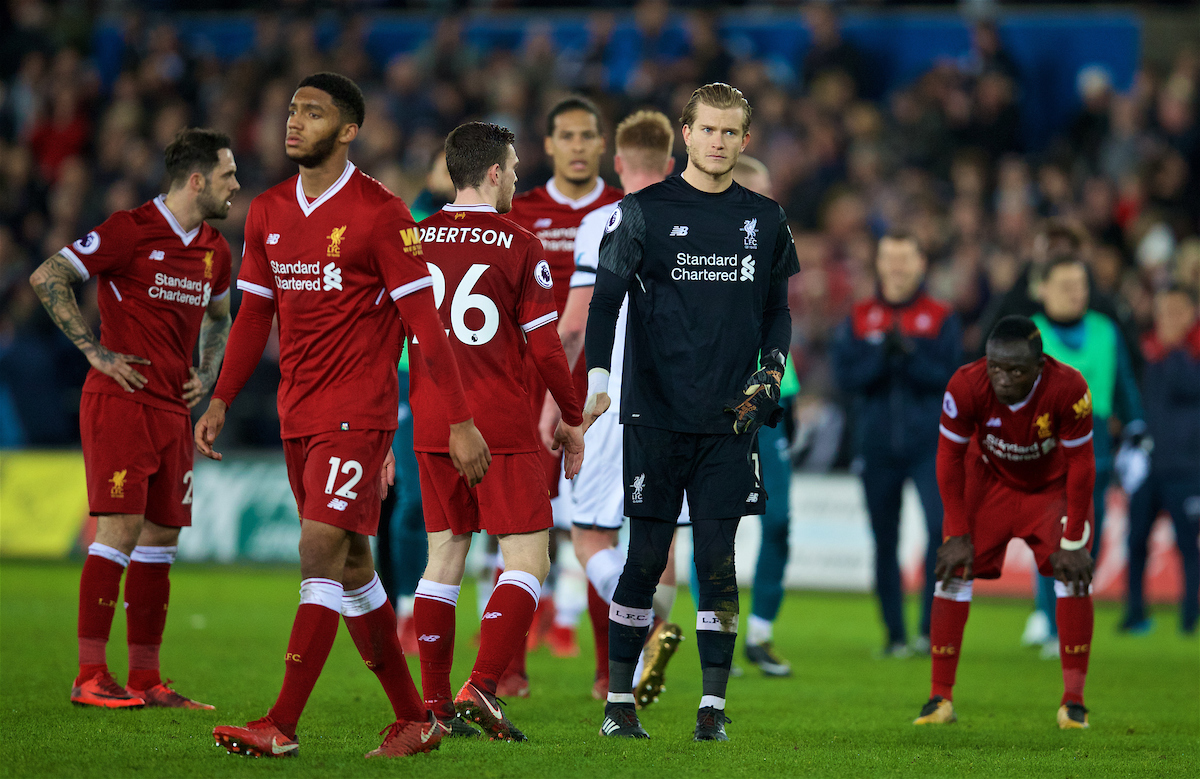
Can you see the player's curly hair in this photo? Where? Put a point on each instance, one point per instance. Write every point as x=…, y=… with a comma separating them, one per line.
x=194, y=150
x=347, y=97
x=717, y=95
x=1018, y=328
x=473, y=148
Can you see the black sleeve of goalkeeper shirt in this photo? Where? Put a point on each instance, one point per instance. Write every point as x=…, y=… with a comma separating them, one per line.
x=777, y=320
x=607, y=296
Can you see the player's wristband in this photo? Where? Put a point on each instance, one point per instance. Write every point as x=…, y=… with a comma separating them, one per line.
x=1075, y=546
x=597, y=381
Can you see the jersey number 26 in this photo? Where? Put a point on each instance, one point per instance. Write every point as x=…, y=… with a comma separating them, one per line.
x=463, y=301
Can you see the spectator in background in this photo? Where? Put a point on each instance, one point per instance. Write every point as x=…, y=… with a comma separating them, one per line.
x=1090, y=126
x=988, y=54
x=1091, y=343
x=1171, y=387
x=894, y=356
x=828, y=53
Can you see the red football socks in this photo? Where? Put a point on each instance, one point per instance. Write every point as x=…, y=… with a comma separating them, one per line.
x=99, y=590
x=598, y=611
x=948, y=618
x=147, y=592
x=1075, y=618
x=312, y=637
x=433, y=617
x=375, y=636
x=506, y=621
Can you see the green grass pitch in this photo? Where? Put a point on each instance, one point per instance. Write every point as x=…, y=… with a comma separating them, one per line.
x=844, y=713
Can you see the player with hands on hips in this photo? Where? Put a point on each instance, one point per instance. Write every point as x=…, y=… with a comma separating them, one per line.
x=163, y=280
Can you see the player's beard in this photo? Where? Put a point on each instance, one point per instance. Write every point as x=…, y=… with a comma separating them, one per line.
x=504, y=205
x=322, y=150
x=711, y=169
x=210, y=206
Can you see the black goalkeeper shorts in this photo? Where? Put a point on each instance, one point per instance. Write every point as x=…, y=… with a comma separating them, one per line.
x=721, y=474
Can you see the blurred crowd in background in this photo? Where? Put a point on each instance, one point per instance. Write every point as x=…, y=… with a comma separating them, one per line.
x=943, y=157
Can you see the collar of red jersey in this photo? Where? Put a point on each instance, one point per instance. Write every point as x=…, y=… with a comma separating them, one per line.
x=481, y=208
x=308, y=207
x=583, y=202
x=161, y=203
x=1021, y=405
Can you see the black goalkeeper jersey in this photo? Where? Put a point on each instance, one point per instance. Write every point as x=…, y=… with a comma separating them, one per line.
x=707, y=278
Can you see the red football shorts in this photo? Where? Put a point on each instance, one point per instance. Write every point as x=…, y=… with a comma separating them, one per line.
x=335, y=477
x=138, y=459
x=1005, y=513
x=512, y=497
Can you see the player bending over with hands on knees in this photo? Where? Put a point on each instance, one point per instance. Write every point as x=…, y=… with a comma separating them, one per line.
x=322, y=250
x=1014, y=461
x=508, y=280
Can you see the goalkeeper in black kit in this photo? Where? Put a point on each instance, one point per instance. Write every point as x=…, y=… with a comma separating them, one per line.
x=705, y=263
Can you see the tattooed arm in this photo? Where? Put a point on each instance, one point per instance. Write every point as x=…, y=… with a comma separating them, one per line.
x=214, y=333
x=52, y=282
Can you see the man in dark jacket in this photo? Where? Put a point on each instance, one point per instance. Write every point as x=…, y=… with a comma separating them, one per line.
x=1171, y=391
x=893, y=356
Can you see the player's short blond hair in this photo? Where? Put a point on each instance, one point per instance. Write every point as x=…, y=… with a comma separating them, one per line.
x=645, y=140
x=720, y=96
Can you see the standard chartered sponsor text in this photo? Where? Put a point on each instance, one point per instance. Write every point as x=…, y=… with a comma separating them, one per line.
x=178, y=289
x=685, y=273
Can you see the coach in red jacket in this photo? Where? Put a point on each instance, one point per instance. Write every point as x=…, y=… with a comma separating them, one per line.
x=893, y=357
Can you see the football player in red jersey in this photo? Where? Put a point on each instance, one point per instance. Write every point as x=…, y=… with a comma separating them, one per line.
x=574, y=143
x=494, y=289
x=325, y=250
x=163, y=276
x=1015, y=460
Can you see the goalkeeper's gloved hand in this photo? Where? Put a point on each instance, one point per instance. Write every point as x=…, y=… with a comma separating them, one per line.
x=758, y=404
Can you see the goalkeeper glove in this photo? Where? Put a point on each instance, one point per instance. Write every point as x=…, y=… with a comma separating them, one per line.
x=758, y=404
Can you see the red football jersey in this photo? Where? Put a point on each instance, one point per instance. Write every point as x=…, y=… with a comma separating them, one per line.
x=554, y=219
x=155, y=281
x=331, y=266
x=492, y=285
x=1020, y=443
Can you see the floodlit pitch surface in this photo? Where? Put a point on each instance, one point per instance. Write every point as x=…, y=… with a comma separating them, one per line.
x=844, y=713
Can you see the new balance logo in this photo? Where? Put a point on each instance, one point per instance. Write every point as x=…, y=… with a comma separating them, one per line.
x=678, y=230
x=544, y=222
x=272, y=239
x=428, y=637
x=333, y=278
x=157, y=254
x=752, y=497
x=493, y=615
x=748, y=268
x=993, y=422
x=337, y=504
